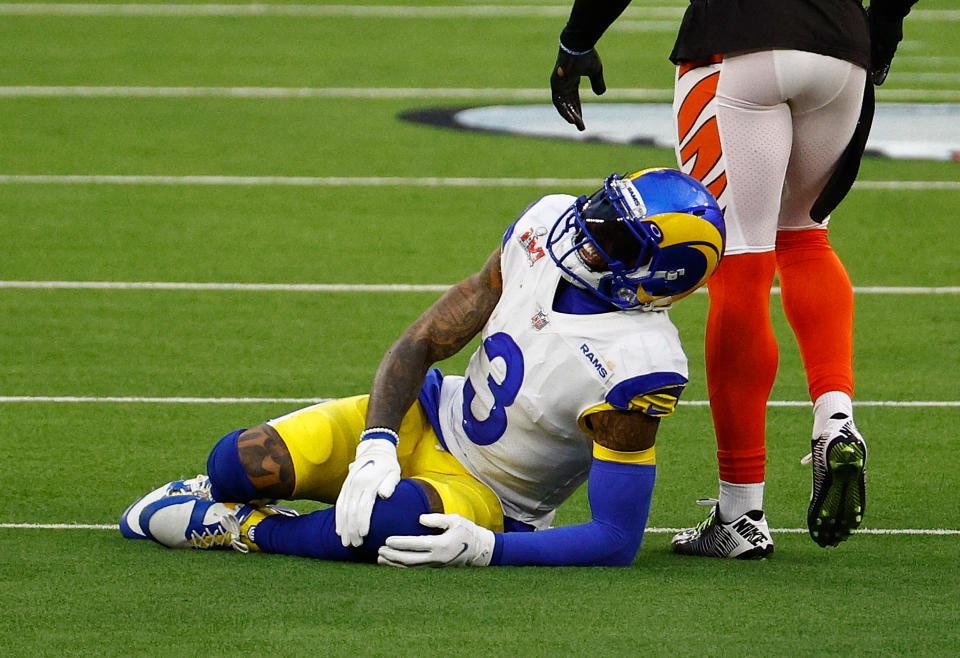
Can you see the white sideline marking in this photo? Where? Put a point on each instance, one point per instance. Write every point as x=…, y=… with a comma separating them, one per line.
x=367, y=287
x=368, y=181
x=659, y=531
x=229, y=400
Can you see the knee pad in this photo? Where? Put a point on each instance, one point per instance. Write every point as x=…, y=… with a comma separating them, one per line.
x=228, y=478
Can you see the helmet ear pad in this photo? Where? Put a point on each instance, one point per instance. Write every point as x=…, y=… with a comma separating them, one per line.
x=688, y=254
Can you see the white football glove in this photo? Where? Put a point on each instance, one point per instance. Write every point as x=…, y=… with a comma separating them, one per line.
x=374, y=472
x=462, y=544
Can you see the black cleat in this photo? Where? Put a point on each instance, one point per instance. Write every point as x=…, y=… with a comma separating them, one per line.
x=838, y=498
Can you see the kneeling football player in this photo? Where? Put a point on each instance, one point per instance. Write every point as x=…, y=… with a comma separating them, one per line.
x=578, y=362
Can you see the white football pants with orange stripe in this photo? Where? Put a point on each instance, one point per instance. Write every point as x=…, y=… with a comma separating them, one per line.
x=764, y=132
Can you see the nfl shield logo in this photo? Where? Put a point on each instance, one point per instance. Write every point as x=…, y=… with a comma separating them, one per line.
x=540, y=320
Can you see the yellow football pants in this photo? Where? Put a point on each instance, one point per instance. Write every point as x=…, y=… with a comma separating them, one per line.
x=322, y=440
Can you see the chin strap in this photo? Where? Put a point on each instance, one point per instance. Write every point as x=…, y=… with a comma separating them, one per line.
x=662, y=304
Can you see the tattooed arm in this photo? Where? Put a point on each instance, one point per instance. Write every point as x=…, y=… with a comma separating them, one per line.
x=442, y=331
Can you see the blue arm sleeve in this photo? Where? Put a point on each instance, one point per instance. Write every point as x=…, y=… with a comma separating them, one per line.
x=619, y=500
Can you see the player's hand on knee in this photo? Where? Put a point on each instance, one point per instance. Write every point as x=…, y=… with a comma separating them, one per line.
x=565, y=82
x=461, y=544
x=374, y=472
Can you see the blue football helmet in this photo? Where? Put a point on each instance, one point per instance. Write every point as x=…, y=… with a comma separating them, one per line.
x=642, y=240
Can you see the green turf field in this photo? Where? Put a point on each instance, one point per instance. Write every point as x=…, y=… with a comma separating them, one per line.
x=106, y=392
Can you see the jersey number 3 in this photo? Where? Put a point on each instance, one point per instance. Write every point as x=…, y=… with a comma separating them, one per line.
x=487, y=431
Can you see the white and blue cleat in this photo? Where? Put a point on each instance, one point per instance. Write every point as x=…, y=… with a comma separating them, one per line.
x=186, y=521
x=197, y=487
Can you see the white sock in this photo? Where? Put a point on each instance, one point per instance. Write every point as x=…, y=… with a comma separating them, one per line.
x=738, y=499
x=826, y=406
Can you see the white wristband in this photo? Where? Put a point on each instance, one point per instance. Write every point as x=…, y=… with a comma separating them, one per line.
x=380, y=433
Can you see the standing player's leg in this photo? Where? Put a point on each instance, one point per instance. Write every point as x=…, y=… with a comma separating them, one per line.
x=817, y=295
x=734, y=134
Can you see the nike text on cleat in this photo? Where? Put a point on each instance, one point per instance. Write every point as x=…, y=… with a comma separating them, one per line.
x=745, y=538
x=838, y=498
x=190, y=522
x=198, y=486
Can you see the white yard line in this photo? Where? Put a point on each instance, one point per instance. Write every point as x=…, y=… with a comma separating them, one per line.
x=372, y=93
x=365, y=287
x=928, y=76
x=318, y=11
x=78, y=399
x=296, y=181
x=250, y=287
x=119, y=91
x=373, y=181
x=156, y=400
x=659, y=531
x=929, y=60
x=907, y=185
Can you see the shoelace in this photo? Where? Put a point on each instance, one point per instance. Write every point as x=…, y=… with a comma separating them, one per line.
x=194, y=487
x=707, y=502
x=229, y=534
x=231, y=524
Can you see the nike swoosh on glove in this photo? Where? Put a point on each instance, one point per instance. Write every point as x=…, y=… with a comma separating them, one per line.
x=461, y=544
x=374, y=472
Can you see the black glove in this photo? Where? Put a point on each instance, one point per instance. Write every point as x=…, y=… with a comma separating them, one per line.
x=885, y=33
x=565, y=82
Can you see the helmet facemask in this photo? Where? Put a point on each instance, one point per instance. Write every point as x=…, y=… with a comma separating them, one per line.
x=601, y=243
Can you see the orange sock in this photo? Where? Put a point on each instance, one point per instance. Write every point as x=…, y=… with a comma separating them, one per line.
x=741, y=359
x=818, y=302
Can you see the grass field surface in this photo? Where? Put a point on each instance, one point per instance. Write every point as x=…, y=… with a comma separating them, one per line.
x=178, y=144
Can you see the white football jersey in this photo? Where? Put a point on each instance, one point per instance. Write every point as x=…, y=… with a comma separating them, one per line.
x=514, y=420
